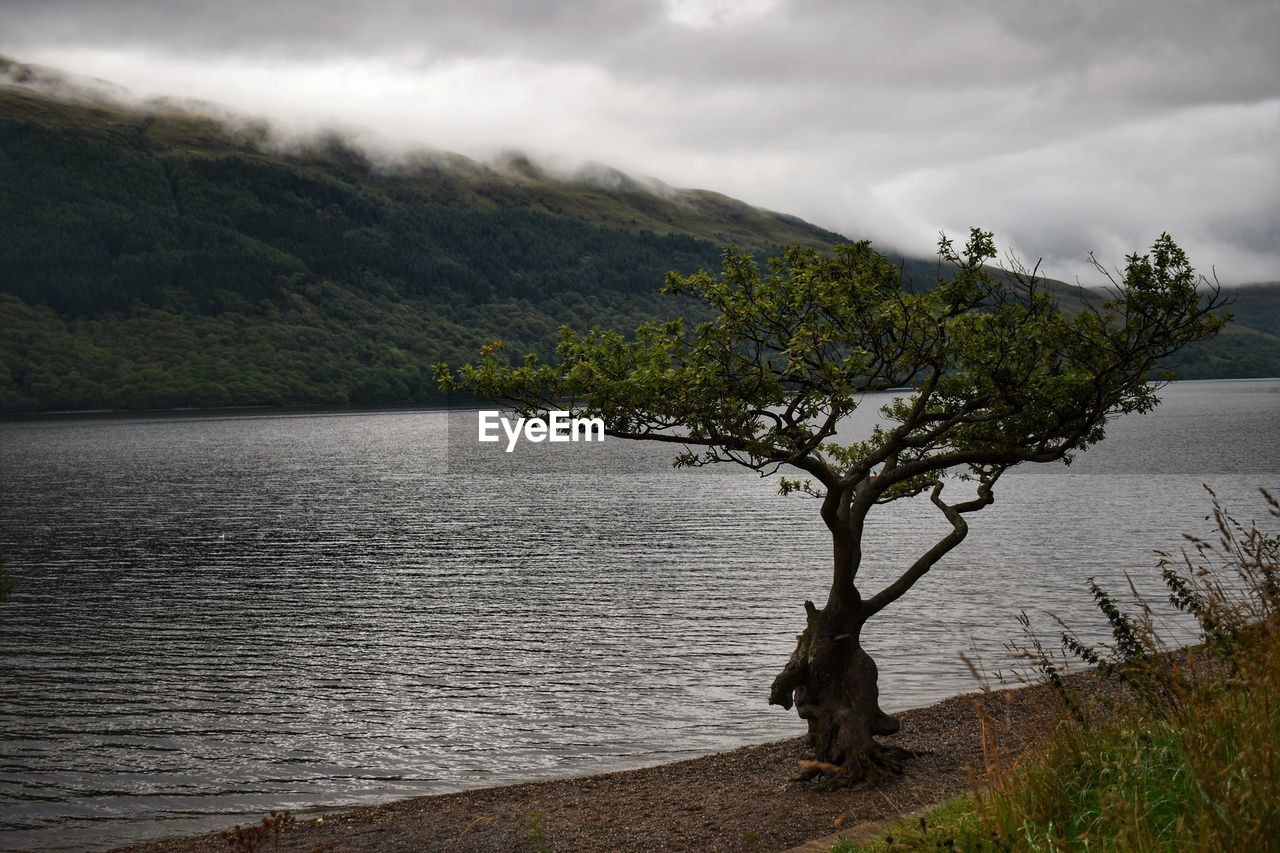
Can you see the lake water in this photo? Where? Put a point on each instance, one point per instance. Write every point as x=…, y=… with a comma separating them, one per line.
x=217, y=616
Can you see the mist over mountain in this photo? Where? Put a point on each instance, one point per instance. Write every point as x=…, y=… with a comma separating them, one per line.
x=173, y=254
x=159, y=257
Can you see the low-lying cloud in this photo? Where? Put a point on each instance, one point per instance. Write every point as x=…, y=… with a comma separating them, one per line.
x=1067, y=129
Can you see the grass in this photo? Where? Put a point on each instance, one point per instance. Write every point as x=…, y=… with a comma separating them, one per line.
x=1201, y=776
x=943, y=827
x=1191, y=763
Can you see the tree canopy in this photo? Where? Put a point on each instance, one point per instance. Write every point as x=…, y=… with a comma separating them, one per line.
x=990, y=373
x=996, y=373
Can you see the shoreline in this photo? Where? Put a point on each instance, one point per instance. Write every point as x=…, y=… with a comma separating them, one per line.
x=736, y=800
x=375, y=408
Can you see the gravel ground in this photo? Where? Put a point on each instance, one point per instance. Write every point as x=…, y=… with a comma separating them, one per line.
x=739, y=800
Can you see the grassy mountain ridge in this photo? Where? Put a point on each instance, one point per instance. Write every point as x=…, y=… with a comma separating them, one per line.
x=156, y=255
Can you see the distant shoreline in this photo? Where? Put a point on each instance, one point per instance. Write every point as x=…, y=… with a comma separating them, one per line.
x=269, y=410
x=388, y=408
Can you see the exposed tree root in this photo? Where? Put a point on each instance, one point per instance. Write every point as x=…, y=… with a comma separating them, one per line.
x=831, y=682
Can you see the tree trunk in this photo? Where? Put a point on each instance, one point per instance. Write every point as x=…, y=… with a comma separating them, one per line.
x=833, y=684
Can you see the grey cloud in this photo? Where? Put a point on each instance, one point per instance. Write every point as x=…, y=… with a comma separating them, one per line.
x=328, y=28
x=886, y=119
x=914, y=43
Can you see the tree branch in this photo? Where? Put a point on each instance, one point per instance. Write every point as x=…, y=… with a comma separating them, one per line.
x=927, y=560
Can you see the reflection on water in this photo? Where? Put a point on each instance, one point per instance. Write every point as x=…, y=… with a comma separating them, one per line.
x=218, y=616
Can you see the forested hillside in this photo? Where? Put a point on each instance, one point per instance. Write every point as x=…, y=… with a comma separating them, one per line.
x=160, y=259
x=156, y=258
x=1249, y=347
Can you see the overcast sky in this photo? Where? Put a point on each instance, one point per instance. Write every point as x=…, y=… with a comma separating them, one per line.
x=1065, y=127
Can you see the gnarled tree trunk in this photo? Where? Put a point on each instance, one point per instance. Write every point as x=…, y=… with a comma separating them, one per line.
x=832, y=682
x=830, y=679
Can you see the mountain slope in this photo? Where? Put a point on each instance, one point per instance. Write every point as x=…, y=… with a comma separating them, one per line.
x=162, y=258
x=1248, y=347
x=155, y=256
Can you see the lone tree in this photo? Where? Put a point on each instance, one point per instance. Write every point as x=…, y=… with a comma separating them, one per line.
x=996, y=374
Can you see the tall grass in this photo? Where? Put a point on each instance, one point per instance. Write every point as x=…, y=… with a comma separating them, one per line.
x=1189, y=759
x=1197, y=772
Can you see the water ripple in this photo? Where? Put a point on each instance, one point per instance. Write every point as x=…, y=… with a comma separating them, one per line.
x=219, y=616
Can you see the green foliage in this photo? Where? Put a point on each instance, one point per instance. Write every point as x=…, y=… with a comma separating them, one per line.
x=1188, y=762
x=160, y=260
x=535, y=837
x=323, y=345
x=788, y=354
x=995, y=375
x=1249, y=347
x=1230, y=588
x=1201, y=779
x=1189, y=765
x=951, y=826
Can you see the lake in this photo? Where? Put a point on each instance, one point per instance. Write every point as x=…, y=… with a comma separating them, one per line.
x=221, y=615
